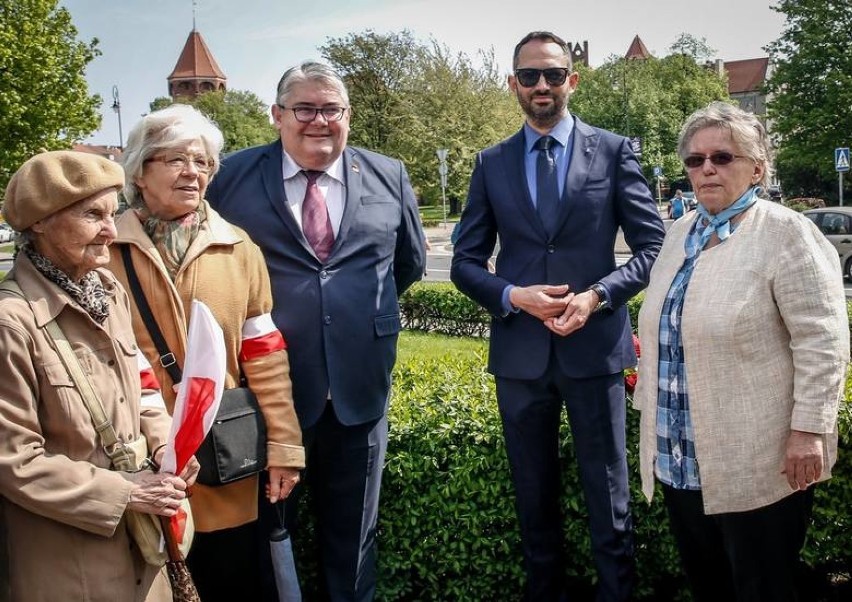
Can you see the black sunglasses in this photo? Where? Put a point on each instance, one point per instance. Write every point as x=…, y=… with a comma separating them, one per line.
x=718, y=158
x=554, y=76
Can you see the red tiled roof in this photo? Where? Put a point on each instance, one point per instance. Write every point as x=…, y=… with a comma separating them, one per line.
x=196, y=60
x=637, y=49
x=108, y=152
x=747, y=75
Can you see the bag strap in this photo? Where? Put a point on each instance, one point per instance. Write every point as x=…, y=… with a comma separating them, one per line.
x=122, y=457
x=167, y=358
x=119, y=454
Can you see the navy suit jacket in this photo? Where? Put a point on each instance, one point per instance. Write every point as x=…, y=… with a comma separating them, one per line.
x=604, y=190
x=340, y=318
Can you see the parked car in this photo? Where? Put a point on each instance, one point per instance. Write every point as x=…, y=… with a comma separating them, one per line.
x=691, y=201
x=836, y=224
x=6, y=233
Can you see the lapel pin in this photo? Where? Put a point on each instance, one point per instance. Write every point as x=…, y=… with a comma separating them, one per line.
x=355, y=168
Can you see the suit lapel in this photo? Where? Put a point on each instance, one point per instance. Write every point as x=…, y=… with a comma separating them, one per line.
x=273, y=182
x=513, y=153
x=352, y=178
x=583, y=151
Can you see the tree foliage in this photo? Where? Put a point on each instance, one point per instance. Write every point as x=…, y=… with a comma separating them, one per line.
x=810, y=103
x=648, y=98
x=241, y=115
x=44, y=99
x=410, y=99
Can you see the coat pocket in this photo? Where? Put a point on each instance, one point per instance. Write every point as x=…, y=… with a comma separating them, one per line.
x=387, y=325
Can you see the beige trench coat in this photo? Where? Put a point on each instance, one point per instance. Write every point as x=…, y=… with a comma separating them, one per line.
x=63, y=505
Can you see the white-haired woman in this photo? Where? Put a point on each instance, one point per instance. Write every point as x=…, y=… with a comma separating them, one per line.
x=181, y=250
x=745, y=343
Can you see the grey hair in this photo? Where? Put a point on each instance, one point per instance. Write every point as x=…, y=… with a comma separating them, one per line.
x=310, y=71
x=745, y=129
x=162, y=130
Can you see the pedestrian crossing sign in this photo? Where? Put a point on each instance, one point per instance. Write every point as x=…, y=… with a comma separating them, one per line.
x=841, y=159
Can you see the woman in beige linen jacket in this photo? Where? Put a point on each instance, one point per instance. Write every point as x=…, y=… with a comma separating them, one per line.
x=181, y=250
x=764, y=344
x=64, y=505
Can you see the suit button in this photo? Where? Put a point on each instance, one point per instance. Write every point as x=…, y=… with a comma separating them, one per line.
x=327, y=320
x=324, y=274
x=551, y=248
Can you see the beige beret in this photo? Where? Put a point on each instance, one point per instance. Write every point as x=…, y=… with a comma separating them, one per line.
x=51, y=181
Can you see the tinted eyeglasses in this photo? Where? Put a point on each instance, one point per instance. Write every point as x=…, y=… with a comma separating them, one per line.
x=554, y=76
x=179, y=161
x=308, y=114
x=718, y=159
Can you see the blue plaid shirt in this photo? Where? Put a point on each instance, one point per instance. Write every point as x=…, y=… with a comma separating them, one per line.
x=676, y=464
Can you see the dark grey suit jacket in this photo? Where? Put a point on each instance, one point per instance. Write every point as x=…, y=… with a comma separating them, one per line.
x=341, y=318
x=604, y=190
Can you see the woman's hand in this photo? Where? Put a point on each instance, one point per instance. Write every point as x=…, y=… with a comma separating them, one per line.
x=803, y=459
x=156, y=492
x=189, y=472
x=281, y=483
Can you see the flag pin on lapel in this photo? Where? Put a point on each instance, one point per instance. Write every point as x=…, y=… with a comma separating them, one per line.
x=355, y=168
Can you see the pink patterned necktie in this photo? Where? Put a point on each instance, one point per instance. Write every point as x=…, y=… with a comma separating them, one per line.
x=316, y=224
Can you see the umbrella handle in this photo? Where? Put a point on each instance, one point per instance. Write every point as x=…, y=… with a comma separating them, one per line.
x=171, y=545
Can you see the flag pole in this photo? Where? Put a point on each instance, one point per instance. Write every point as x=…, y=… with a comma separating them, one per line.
x=183, y=587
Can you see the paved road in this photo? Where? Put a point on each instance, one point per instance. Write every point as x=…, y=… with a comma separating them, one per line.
x=438, y=264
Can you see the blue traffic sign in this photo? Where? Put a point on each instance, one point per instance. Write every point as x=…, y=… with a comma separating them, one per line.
x=841, y=159
x=658, y=171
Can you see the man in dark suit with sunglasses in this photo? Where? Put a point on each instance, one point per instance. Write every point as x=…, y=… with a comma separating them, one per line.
x=556, y=194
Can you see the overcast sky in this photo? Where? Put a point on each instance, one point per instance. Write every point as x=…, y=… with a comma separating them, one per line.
x=254, y=41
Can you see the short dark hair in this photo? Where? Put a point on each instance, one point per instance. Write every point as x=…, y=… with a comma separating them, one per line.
x=542, y=36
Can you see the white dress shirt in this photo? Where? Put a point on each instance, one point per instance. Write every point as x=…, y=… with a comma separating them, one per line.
x=330, y=184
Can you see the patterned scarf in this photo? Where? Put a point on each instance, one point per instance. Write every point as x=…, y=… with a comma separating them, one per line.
x=88, y=292
x=172, y=238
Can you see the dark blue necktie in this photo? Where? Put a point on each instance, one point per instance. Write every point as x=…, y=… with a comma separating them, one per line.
x=547, y=184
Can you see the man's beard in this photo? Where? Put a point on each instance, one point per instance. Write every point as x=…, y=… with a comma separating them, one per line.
x=543, y=115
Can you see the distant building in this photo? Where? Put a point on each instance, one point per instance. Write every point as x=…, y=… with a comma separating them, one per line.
x=745, y=82
x=196, y=71
x=637, y=49
x=580, y=54
x=113, y=153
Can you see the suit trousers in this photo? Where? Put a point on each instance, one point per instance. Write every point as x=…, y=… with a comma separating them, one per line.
x=343, y=475
x=531, y=412
x=740, y=556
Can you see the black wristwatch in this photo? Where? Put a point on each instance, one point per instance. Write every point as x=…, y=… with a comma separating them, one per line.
x=603, y=300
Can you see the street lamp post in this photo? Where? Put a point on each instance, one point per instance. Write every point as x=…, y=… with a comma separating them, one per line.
x=116, y=106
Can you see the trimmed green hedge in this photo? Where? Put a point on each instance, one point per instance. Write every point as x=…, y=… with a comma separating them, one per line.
x=447, y=526
x=440, y=307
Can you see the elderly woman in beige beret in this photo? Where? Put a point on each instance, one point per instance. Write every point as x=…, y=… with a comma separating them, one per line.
x=64, y=504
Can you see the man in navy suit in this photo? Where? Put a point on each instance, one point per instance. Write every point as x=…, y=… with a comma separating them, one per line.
x=342, y=239
x=560, y=332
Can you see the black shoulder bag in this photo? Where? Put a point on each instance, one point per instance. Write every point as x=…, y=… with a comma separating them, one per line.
x=235, y=447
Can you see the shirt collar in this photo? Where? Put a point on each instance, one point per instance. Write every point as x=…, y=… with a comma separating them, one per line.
x=291, y=169
x=561, y=131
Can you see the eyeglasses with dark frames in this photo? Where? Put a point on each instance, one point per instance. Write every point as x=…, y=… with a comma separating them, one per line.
x=719, y=159
x=179, y=161
x=554, y=76
x=308, y=114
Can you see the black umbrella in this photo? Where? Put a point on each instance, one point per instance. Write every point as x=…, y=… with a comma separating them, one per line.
x=283, y=563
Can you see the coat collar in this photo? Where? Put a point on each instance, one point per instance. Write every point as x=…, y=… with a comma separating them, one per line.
x=214, y=231
x=272, y=174
x=46, y=298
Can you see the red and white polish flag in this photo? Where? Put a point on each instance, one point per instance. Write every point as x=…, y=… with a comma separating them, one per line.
x=198, y=396
x=200, y=391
